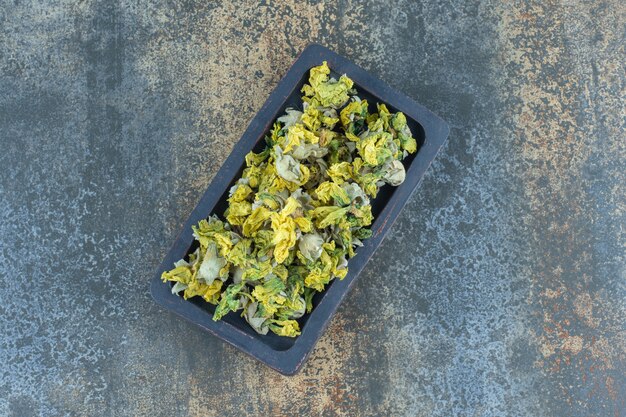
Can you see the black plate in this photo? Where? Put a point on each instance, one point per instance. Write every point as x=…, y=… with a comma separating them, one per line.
x=284, y=354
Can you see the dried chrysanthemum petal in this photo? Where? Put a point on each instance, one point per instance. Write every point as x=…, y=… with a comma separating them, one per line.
x=310, y=246
x=299, y=210
x=327, y=91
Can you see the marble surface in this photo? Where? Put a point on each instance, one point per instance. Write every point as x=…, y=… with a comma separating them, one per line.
x=499, y=291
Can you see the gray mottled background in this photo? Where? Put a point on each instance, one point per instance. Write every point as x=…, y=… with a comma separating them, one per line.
x=500, y=290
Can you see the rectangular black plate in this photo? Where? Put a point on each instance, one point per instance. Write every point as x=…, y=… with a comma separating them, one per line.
x=287, y=355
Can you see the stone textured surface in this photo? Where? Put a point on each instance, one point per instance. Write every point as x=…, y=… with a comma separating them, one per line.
x=500, y=291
